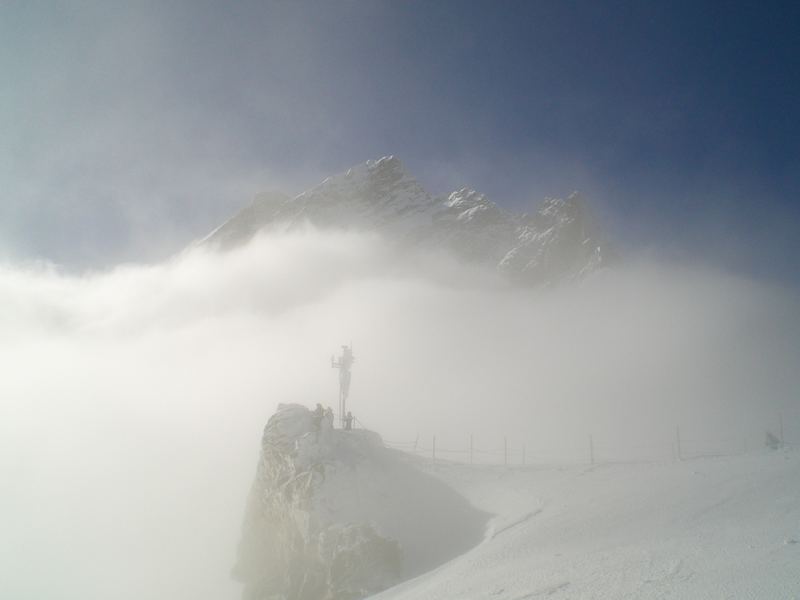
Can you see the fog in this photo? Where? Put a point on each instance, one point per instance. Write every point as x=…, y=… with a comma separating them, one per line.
x=134, y=398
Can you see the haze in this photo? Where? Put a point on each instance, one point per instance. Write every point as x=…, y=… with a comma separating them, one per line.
x=134, y=398
x=140, y=367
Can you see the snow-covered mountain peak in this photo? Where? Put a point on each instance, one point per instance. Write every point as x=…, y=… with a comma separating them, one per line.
x=480, y=217
x=381, y=181
x=469, y=203
x=560, y=209
x=465, y=198
x=385, y=163
x=380, y=196
x=386, y=167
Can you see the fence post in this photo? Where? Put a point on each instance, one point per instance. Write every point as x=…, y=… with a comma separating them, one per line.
x=505, y=451
x=434, y=449
x=591, y=450
x=471, y=450
x=678, y=442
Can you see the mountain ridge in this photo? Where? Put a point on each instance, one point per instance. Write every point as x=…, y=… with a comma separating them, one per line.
x=556, y=242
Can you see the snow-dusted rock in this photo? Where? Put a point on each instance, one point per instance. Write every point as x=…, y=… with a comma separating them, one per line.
x=334, y=515
x=558, y=242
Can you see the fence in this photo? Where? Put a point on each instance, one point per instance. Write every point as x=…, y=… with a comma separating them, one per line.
x=590, y=450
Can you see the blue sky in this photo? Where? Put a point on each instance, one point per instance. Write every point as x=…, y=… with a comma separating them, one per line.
x=128, y=129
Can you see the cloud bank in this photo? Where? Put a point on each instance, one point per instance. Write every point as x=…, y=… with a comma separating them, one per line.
x=133, y=399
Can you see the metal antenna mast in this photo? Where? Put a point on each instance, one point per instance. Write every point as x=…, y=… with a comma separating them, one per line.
x=344, y=363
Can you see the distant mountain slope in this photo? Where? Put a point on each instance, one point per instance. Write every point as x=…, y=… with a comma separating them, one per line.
x=555, y=243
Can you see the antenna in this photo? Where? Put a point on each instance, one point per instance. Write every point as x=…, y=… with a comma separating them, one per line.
x=343, y=363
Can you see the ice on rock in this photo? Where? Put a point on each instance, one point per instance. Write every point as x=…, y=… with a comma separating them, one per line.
x=333, y=514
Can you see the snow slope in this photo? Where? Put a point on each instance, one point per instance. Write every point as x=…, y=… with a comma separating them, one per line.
x=707, y=528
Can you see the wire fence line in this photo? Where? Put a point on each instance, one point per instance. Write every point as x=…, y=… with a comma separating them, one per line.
x=592, y=450
x=595, y=452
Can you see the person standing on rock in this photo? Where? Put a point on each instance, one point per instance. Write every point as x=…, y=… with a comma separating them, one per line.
x=317, y=416
x=328, y=418
x=348, y=421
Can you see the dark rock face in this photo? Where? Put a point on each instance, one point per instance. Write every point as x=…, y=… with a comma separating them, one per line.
x=334, y=515
x=556, y=243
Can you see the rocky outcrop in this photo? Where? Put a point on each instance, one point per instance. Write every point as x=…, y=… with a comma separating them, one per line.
x=334, y=515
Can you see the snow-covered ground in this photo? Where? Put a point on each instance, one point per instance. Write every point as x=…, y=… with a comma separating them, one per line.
x=725, y=527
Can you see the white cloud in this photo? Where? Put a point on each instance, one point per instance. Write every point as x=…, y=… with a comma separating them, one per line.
x=133, y=399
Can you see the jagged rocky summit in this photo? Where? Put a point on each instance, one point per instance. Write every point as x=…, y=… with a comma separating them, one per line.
x=335, y=515
x=557, y=242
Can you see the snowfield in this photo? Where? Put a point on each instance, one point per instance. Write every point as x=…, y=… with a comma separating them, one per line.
x=726, y=527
